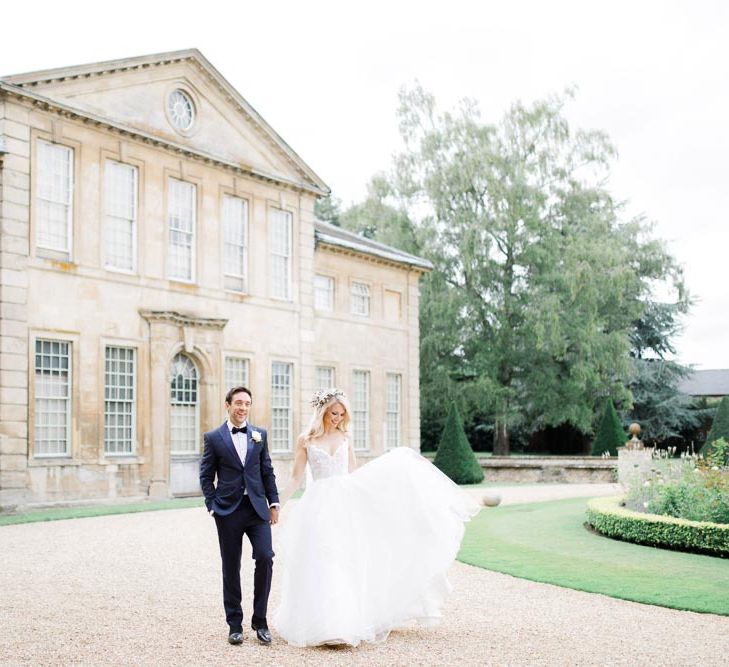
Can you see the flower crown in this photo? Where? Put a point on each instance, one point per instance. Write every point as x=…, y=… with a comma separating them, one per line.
x=323, y=396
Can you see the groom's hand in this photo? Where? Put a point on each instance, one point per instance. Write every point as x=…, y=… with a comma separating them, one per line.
x=274, y=514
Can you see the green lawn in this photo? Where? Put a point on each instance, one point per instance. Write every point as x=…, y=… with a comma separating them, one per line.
x=57, y=513
x=81, y=512
x=547, y=542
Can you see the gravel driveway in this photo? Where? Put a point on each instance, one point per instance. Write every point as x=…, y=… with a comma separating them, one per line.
x=144, y=589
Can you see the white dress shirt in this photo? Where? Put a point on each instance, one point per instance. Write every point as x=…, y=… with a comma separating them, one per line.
x=240, y=441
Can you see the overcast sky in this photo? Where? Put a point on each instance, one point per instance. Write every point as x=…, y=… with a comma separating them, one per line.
x=325, y=75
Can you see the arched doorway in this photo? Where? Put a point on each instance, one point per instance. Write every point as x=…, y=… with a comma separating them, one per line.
x=184, y=436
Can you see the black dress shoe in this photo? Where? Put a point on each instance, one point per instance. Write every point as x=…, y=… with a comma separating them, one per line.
x=262, y=633
x=235, y=636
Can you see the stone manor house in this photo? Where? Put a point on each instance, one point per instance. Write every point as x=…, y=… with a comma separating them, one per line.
x=158, y=246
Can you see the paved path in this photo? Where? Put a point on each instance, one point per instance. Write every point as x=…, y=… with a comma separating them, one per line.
x=144, y=589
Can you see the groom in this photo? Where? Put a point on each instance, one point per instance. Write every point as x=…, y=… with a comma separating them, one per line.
x=244, y=501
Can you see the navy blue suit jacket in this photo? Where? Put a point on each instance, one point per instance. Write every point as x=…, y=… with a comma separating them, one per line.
x=220, y=459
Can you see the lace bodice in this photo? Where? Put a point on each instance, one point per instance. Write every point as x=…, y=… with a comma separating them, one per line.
x=323, y=464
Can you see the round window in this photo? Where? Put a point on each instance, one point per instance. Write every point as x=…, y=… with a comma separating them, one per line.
x=180, y=110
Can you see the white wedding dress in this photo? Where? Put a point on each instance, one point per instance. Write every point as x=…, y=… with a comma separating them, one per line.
x=367, y=552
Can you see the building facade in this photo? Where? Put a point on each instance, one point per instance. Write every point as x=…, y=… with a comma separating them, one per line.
x=158, y=246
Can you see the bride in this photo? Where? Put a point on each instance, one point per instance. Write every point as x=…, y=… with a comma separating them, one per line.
x=366, y=549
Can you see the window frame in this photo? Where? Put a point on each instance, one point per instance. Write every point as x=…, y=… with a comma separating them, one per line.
x=272, y=212
x=134, y=221
x=245, y=244
x=328, y=385
x=331, y=292
x=69, y=398
x=180, y=453
x=232, y=356
x=366, y=296
x=59, y=253
x=132, y=402
x=273, y=438
x=367, y=374
x=397, y=413
x=193, y=233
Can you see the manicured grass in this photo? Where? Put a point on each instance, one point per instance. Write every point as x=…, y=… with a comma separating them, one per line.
x=58, y=513
x=548, y=542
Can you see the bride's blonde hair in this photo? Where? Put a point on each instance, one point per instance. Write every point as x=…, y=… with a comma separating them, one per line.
x=321, y=402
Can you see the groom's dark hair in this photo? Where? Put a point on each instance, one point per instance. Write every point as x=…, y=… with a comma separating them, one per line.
x=237, y=390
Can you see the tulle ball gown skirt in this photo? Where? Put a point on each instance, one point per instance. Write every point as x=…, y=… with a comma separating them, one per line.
x=368, y=552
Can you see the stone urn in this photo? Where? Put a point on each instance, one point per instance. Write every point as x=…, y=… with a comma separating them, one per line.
x=635, y=442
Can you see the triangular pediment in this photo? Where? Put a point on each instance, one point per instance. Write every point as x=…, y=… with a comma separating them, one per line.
x=135, y=93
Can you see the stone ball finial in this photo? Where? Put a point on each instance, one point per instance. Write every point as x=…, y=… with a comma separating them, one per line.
x=634, y=429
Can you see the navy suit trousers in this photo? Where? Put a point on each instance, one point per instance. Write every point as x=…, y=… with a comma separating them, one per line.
x=231, y=528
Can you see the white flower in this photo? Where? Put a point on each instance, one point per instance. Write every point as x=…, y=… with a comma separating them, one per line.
x=645, y=505
x=646, y=483
x=256, y=435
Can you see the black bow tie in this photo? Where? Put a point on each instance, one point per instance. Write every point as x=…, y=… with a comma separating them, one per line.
x=242, y=429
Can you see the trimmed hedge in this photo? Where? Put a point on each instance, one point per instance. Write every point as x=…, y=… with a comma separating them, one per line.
x=608, y=517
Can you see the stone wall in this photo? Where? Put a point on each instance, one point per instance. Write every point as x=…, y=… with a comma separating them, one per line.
x=538, y=469
x=14, y=353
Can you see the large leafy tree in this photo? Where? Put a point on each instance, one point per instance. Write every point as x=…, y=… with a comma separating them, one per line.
x=538, y=282
x=659, y=406
x=328, y=209
x=517, y=221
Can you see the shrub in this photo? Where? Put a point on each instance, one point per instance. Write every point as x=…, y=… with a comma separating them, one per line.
x=607, y=516
x=455, y=456
x=691, y=487
x=610, y=434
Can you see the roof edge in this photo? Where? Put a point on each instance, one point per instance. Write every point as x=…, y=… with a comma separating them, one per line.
x=107, y=66
x=362, y=245
x=57, y=73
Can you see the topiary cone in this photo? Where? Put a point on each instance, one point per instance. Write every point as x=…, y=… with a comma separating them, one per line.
x=719, y=427
x=610, y=434
x=455, y=456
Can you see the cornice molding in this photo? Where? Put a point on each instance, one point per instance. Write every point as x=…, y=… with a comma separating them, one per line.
x=173, y=317
x=369, y=257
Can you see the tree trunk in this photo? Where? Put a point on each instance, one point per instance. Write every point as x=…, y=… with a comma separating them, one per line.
x=501, y=439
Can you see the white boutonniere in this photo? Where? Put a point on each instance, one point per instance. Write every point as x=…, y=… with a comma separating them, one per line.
x=256, y=435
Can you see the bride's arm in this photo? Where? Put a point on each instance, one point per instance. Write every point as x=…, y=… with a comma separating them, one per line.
x=352, y=457
x=297, y=474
